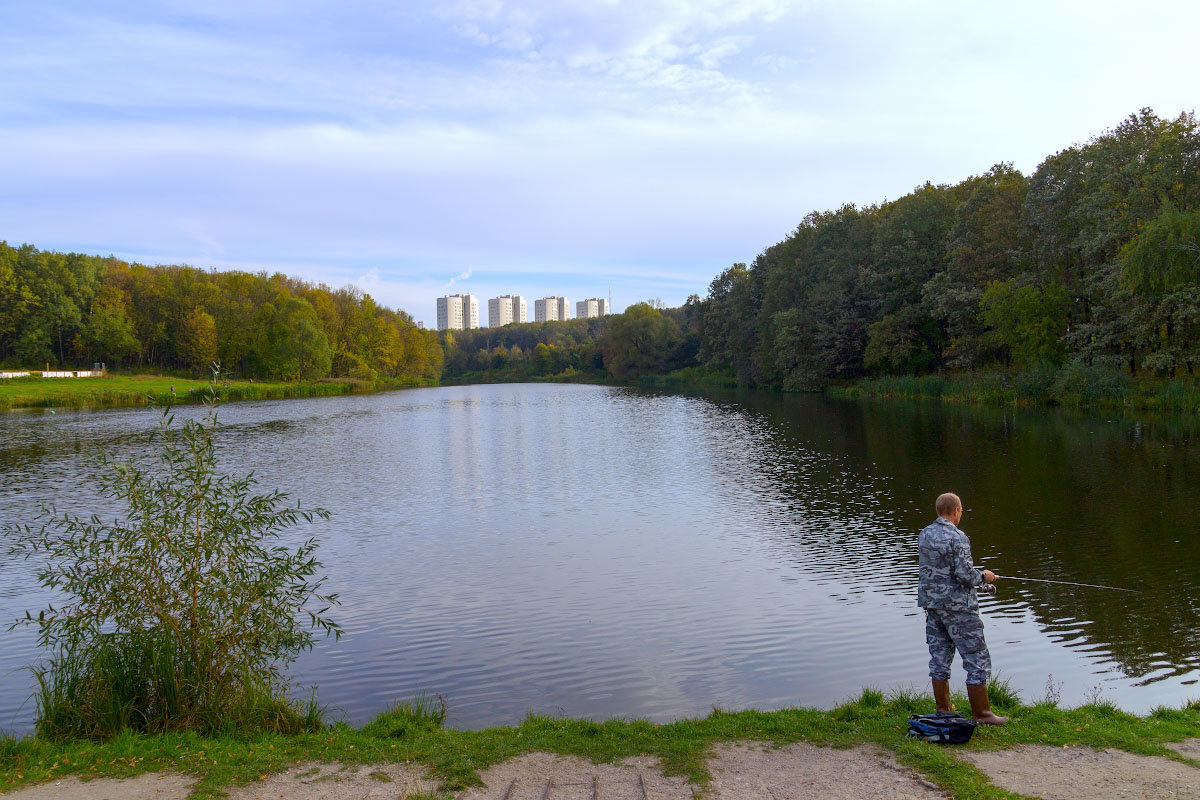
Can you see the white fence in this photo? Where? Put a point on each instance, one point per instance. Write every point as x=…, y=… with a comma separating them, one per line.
x=70, y=373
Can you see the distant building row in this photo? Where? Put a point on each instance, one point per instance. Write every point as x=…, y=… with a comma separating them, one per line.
x=458, y=312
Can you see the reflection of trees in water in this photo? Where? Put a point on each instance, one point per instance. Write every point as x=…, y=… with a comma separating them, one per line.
x=1049, y=495
x=809, y=494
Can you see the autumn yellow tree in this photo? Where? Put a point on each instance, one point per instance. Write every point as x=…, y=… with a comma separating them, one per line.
x=198, y=339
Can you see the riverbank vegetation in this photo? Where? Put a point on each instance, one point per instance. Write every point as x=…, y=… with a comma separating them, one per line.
x=182, y=612
x=415, y=732
x=137, y=390
x=1074, y=385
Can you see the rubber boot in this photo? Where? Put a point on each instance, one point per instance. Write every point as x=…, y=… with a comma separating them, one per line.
x=981, y=706
x=941, y=696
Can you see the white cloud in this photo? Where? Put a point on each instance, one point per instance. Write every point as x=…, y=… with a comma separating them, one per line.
x=462, y=276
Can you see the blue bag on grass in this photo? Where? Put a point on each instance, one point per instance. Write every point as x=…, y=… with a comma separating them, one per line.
x=951, y=728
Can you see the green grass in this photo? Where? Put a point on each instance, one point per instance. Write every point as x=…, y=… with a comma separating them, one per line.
x=134, y=390
x=414, y=732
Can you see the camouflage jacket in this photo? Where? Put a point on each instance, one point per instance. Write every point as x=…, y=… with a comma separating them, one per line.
x=947, y=574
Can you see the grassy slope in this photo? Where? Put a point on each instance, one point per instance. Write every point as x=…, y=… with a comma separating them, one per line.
x=457, y=756
x=133, y=390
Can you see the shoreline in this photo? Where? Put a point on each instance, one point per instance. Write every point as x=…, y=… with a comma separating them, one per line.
x=1151, y=400
x=132, y=391
x=983, y=389
x=412, y=735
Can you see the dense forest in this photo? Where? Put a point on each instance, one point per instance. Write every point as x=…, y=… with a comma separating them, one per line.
x=1092, y=263
x=73, y=310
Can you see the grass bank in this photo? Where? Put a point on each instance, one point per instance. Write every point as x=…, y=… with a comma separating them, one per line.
x=136, y=390
x=1072, y=386
x=414, y=733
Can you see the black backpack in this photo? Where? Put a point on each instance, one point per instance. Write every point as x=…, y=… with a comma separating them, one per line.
x=950, y=728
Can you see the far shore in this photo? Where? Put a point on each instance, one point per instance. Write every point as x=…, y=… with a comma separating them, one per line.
x=117, y=390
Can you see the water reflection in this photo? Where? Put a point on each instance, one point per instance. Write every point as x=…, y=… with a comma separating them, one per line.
x=605, y=551
x=1050, y=495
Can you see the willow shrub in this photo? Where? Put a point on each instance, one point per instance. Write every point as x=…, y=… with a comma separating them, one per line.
x=184, y=612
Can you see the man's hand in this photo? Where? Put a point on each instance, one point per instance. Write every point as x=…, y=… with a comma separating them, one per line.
x=989, y=576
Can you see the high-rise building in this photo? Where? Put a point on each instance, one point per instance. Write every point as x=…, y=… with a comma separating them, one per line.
x=549, y=309
x=457, y=312
x=505, y=309
x=499, y=312
x=592, y=307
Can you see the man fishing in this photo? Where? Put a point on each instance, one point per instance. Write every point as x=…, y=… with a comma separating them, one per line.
x=946, y=590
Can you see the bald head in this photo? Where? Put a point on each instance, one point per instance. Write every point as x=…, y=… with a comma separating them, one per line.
x=947, y=504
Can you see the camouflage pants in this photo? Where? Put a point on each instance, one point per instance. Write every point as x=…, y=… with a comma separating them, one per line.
x=947, y=631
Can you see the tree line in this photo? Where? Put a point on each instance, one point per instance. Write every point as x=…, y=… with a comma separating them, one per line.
x=643, y=340
x=1093, y=262
x=69, y=309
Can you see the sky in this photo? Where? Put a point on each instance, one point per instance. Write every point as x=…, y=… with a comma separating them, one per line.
x=537, y=147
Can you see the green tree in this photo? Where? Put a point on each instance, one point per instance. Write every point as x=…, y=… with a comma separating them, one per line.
x=639, y=341
x=1165, y=254
x=899, y=343
x=107, y=334
x=17, y=300
x=292, y=345
x=1029, y=321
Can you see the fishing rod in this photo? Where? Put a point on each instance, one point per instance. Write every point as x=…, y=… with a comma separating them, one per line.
x=1063, y=583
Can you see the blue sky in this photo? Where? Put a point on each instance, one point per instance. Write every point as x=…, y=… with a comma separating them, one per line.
x=575, y=148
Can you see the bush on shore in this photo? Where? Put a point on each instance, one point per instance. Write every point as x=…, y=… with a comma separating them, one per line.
x=183, y=613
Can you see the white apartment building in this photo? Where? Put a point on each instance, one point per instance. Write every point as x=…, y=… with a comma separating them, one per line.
x=549, y=309
x=592, y=307
x=457, y=312
x=505, y=309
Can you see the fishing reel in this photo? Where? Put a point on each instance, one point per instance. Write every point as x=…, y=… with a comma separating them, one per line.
x=987, y=588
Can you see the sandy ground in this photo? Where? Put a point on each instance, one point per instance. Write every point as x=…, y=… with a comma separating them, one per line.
x=151, y=786
x=542, y=776
x=336, y=782
x=801, y=770
x=1188, y=747
x=1081, y=773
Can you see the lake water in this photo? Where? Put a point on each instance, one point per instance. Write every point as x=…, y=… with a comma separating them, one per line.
x=602, y=551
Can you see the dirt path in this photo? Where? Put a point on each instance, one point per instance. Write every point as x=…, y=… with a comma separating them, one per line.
x=740, y=771
x=542, y=776
x=151, y=786
x=801, y=770
x=1081, y=773
x=337, y=782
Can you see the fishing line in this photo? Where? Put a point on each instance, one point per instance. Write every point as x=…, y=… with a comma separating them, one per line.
x=1063, y=583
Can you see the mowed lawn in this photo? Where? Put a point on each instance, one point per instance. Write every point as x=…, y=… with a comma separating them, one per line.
x=123, y=390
